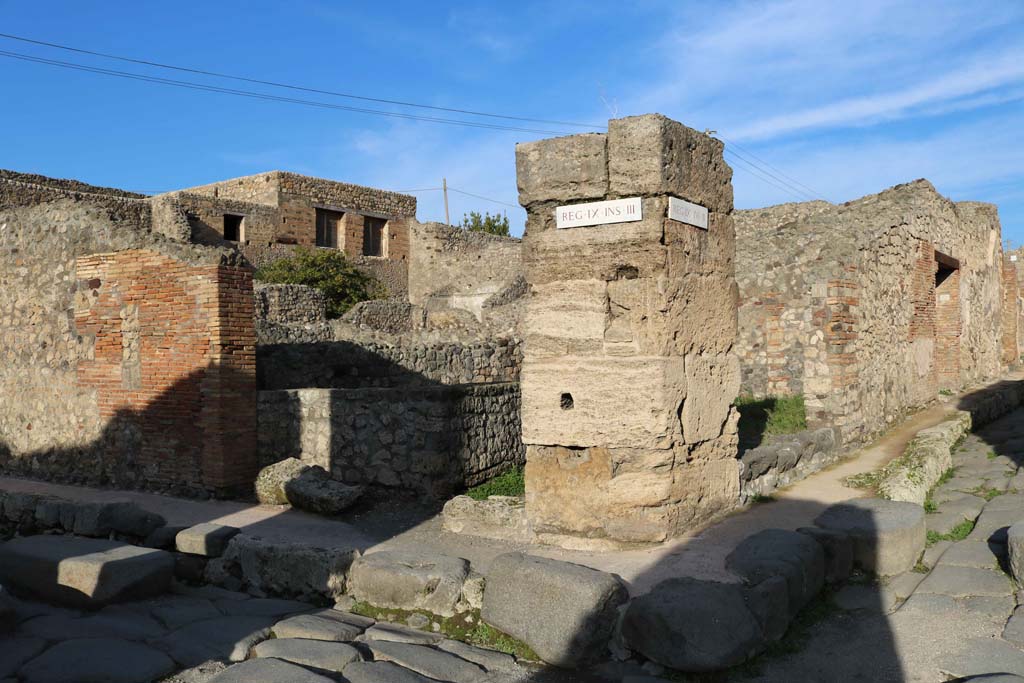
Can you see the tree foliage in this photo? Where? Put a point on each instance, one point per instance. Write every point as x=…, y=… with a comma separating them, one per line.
x=494, y=225
x=328, y=270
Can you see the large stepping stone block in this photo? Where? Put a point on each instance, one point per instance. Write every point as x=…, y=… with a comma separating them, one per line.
x=409, y=580
x=84, y=572
x=795, y=557
x=565, y=612
x=888, y=536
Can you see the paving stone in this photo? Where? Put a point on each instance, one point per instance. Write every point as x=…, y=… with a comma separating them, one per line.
x=992, y=678
x=409, y=580
x=998, y=609
x=268, y=671
x=944, y=521
x=932, y=554
x=565, y=612
x=993, y=525
x=962, y=582
x=197, y=674
x=490, y=660
x=930, y=603
x=222, y=638
x=175, y=612
x=126, y=626
x=382, y=672
x=100, y=519
x=8, y=613
x=981, y=554
x=888, y=536
x=904, y=585
x=317, y=626
x=90, y=660
x=207, y=592
x=315, y=653
x=982, y=656
x=84, y=572
x=436, y=664
x=354, y=619
x=15, y=651
x=1007, y=502
x=400, y=634
x=206, y=539
x=262, y=607
x=1014, y=630
x=1015, y=550
x=857, y=597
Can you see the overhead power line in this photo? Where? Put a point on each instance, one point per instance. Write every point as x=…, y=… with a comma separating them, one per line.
x=486, y=199
x=265, y=96
x=814, y=193
x=301, y=88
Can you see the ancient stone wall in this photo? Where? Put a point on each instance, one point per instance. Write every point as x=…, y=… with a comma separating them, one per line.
x=628, y=376
x=869, y=308
x=127, y=358
x=431, y=440
x=205, y=216
x=456, y=268
x=289, y=304
x=391, y=316
x=298, y=361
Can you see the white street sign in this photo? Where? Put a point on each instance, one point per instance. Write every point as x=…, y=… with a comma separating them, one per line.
x=599, y=213
x=687, y=212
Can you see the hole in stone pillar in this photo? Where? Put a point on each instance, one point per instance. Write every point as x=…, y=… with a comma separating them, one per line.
x=627, y=273
x=566, y=401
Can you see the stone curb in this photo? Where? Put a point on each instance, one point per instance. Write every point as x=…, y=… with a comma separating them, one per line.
x=926, y=458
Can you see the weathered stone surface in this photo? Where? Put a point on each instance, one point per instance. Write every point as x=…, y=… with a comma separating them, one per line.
x=124, y=625
x=262, y=607
x=797, y=558
x=222, y=638
x=382, y=672
x=962, y=582
x=768, y=601
x=409, y=580
x=315, y=653
x=980, y=554
x=1015, y=549
x=163, y=538
x=305, y=486
x=289, y=569
x=268, y=671
x=712, y=383
x=97, y=659
x=99, y=519
x=693, y=625
x=16, y=651
x=1013, y=632
x=490, y=660
x=176, y=611
x=502, y=517
x=564, y=612
x=84, y=572
x=400, y=634
x=888, y=536
x=838, y=549
x=439, y=665
x=322, y=625
x=563, y=169
x=207, y=539
x=926, y=458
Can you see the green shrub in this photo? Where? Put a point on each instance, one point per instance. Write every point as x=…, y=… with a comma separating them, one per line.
x=511, y=483
x=329, y=271
x=760, y=417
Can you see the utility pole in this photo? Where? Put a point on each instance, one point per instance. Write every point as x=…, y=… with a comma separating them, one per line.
x=444, y=186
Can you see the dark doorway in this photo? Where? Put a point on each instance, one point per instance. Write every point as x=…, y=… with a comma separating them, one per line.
x=327, y=222
x=233, y=231
x=373, y=236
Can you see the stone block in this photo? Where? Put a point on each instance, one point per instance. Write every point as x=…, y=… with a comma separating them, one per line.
x=652, y=154
x=797, y=558
x=288, y=569
x=564, y=612
x=838, y=549
x=693, y=625
x=207, y=539
x=768, y=601
x=440, y=666
x=567, y=314
x=304, y=486
x=568, y=401
x=888, y=537
x=84, y=572
x=319, y=654
x=327, y=625
x=98, y=659
x=382, y=672
x=409, y=580
x=562, y=169
x=502, y=517
x=1015, y=550
x=100, y=519
x=268, y=670
x=712, y=383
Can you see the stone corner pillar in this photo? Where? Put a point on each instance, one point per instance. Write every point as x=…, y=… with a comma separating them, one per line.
x=628, y=375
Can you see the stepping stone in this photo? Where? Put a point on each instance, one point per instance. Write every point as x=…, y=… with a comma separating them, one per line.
x=16, y=651
x=401, y=634
x=315, y=653
x=490, y=660
x=207, y=539
x=97, y=659
x=382, y=672
x=980, y=554
x=320, y=625
x=222, y=638
x=961, y=582
x=84, y=572
x=268, y=671
x=888, y=536
x=409, y=580
x=125, y=626
x=262, y=607
x=442, y=666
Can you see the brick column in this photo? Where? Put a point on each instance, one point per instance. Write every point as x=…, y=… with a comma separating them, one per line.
x=628, y=374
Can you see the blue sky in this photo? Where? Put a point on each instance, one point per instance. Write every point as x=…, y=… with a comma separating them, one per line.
x=845, y=98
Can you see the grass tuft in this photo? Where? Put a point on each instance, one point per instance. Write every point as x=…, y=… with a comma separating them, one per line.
x=761, y=417
x=511, y=483
x=957, y=533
